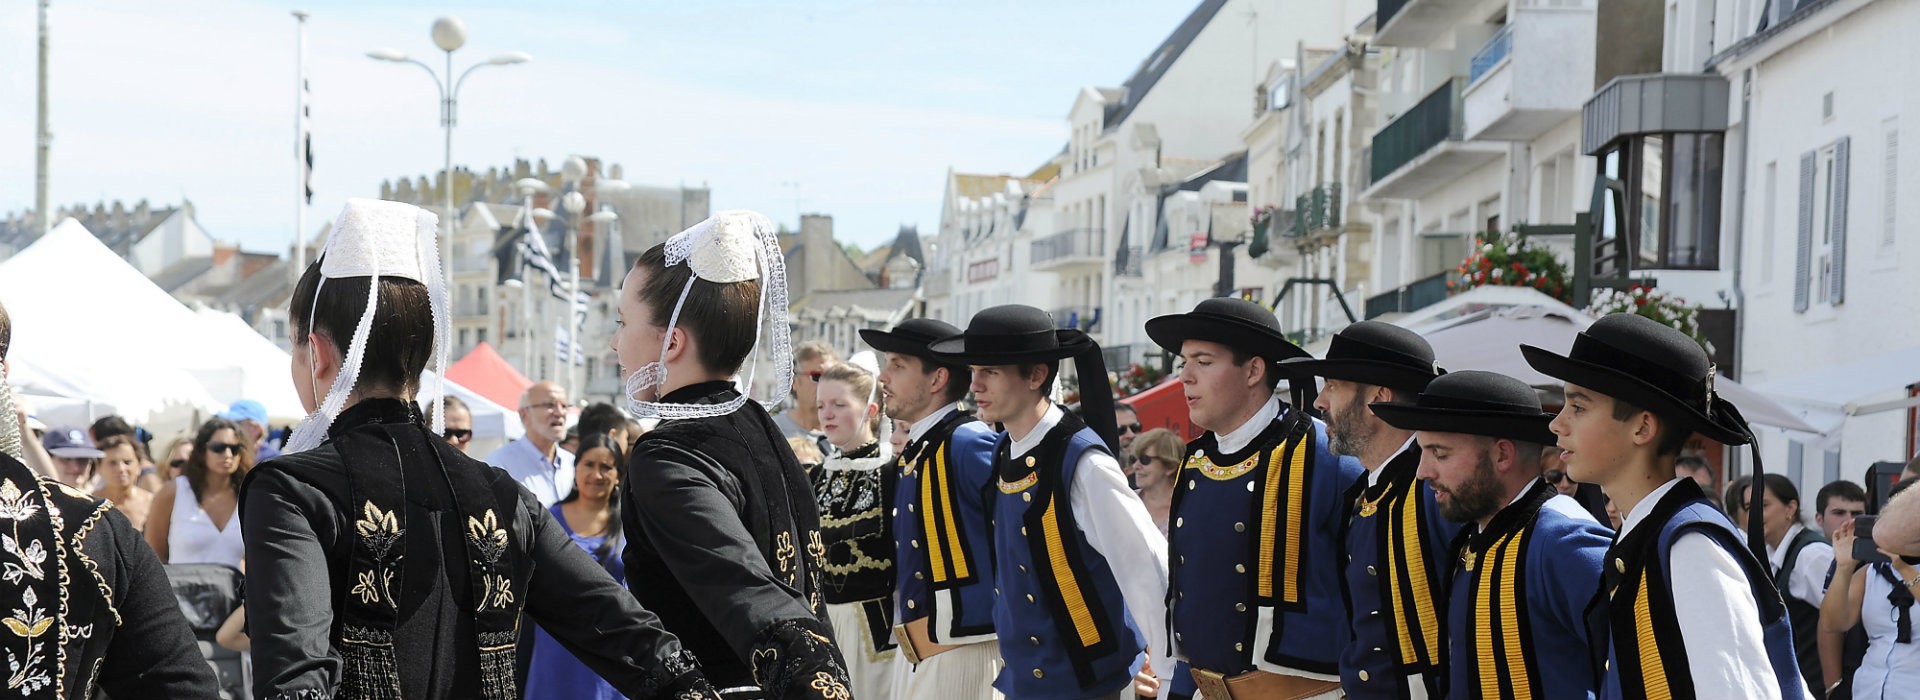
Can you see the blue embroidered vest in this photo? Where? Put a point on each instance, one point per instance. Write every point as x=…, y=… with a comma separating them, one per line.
x=944, y=544
x=1516, y=604
x=1064, y=630
x=1633, y=619
x=1253, y=549
x=1396, y=548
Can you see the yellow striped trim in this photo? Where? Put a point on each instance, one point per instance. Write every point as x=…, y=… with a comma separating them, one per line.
x=1509, y=590
x=1483, y=633
x=1417, y=575
x=951, y=521
x=1296, y=518
x=1408, y=654
x=1296, y=477
x=1064, y=579
x=1653, y=673
x=936, y=553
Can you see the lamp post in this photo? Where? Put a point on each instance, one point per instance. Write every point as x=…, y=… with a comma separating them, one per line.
x=602, y=220
x=449, y=34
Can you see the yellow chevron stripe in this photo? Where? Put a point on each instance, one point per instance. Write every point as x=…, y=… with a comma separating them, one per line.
x=1296, y=517
x=936, y=555
x=1397, y=595
x=1483, y=630
x=952, y=523
x=1269, y=526
x=1653, y=673
x=1516, y=657
x=1428, y=619
x=1064, y=579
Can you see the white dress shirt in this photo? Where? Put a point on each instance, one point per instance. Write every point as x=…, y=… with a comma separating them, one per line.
x=1719, y=619
x=550, y=480
x=1808, y=580
x=920, y=427
x=1115, y=523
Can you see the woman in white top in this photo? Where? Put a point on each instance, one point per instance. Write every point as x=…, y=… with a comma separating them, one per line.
x=1880, y=598
x=192, y=519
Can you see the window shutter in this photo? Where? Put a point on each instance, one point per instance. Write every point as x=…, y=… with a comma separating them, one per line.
x=1839, y=213
x=1890, y=187
x=1802, y=282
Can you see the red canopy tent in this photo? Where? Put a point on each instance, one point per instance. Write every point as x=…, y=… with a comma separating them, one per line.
x=486, y=373
x=1164, y=406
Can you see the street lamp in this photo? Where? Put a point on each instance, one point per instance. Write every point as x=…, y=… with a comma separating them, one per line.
x=574, y=202
x=449, y=34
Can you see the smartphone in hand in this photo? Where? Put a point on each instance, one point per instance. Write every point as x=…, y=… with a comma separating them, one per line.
x=1864, y=549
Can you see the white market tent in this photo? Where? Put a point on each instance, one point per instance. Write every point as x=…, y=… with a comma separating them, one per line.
x=94, y=337
x=1827, y=397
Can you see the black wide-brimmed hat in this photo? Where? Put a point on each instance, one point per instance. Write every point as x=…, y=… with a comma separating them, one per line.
x=1235, y=323
x=1473, y=402
x=1651, y=366
x=1016, y=334
x=910, y=337
x=1377, y=353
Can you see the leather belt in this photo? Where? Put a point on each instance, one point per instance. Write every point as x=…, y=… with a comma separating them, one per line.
x=915, y=644
x=1259, y=685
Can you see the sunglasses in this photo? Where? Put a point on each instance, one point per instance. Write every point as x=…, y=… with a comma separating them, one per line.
x=814, y=376
x=232, y=448
x=1553, y=476
x=1145, y=459
x=178, y=463
x=1131, y=428
x=459, y=434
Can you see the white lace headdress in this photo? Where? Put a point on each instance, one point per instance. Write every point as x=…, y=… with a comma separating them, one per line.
x=374, y=239
x=732, y=246
x=870, y=363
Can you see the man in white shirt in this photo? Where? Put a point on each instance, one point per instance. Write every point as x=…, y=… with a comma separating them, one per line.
x=536, y=460
x=1686, y=610
x=1080, y=567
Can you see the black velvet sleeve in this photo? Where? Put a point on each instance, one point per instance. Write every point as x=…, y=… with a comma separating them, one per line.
x=580, y=604
x=153, y=652
x=289, y=588
x=696, y=527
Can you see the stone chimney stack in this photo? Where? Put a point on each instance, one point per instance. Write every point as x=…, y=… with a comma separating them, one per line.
x=816, y=234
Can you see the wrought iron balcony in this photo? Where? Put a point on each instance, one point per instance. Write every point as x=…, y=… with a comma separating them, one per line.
x=1412, y=296
x=1066, y=248
x=1317, y=210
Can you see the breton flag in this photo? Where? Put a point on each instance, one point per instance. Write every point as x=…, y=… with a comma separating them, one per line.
x=533, y=247
x=563, y=346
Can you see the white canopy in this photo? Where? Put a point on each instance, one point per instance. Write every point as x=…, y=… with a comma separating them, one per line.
x=1827, y=397
x=94, y=337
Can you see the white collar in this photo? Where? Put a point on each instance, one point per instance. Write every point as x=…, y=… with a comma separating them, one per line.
x=1643, y=509
x=920, y=427
x=1047, y=421
x=1778, y=555
x=1239, y=438
x=1516, y=499
x=1373, y=475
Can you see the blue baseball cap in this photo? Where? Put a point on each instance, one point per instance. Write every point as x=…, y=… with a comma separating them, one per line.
x=246, y=409
x=71, y=442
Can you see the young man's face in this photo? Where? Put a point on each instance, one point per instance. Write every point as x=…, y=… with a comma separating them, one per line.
x=907, y=388
x=1839, y=511
x=1596, y=445
x=1218, y=391
x=1001, y=391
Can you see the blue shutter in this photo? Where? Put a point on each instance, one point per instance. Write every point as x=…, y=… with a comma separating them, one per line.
x=1802, y=281
x=1838, y=209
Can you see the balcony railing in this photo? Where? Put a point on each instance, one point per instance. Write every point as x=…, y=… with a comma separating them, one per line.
x=1128, y=262
x=1435, y=119
x=1416, y=295
x=1075, y=243
x=1317, y=210
x=1491, y=54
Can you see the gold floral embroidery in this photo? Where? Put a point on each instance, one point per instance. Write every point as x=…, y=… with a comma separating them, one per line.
x=783, y=551
x=1023, y=484
x=815, y=546
x=31, y=557
x=829, y=687
x=367, y=588
x=29, y=622
x=487, y=536
x=1220, y=473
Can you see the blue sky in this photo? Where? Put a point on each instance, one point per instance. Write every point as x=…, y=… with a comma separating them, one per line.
x=865, y=104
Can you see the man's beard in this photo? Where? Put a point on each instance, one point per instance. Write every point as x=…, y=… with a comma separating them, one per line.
x=1348, y=431
x=1475, y=498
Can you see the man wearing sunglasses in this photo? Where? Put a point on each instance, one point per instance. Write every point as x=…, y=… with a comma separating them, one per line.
x=459, y=419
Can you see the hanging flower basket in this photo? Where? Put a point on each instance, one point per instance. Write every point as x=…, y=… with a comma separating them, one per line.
x=1670, y=310
x=1513, y=261
x=1262, y=222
